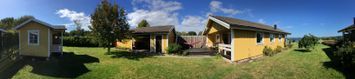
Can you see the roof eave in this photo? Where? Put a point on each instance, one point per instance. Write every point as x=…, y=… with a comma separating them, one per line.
x=35, y=20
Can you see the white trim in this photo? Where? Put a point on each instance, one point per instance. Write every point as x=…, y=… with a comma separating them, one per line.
x=49, y=42
x=35, y=20
x=219, y=22
x=167, y=43
x=232, y=45
x=273, y=40
x=262, y=40
x=28, y=37
x=280, y=37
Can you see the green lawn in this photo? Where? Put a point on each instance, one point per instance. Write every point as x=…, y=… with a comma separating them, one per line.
x=92, y=63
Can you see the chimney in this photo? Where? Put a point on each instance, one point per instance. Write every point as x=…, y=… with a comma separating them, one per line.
x=275, y=26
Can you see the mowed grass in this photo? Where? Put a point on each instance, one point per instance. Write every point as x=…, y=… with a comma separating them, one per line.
x=288, y=64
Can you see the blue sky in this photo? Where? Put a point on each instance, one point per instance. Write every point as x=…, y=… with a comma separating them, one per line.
x=319, y=17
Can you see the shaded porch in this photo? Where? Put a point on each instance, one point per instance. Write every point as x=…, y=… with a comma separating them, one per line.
x=56, y=45
x=221, y=39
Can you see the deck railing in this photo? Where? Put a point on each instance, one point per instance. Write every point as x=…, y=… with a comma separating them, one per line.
x=224, y=48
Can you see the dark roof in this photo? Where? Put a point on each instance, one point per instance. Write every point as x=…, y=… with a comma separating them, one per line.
x=57, y=27
x=2, y=30
x=233, y=22
x=347, y=28
x=154, y=29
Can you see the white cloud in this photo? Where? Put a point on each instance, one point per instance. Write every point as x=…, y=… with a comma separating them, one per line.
x=262, y=21
x=193, y=23
x=156, y=12
x=158, y=5
x=216, y=6
x=73, y=15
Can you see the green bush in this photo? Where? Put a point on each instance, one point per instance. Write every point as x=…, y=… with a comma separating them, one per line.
x=174, y=49
x=278, y=49
x=83, y=41
x=308, y=42
x=345, y=54
x=268, y=51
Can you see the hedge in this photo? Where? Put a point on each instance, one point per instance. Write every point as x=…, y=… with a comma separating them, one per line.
x=84, y=41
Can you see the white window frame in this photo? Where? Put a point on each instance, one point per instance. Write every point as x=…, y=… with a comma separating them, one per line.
x=273, y=38
x=262, y=38
x=29, y=37
x=280, y=37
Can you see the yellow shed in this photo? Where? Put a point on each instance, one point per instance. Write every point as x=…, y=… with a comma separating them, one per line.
x=40, y=39
x=238, y=39
x=152, y=39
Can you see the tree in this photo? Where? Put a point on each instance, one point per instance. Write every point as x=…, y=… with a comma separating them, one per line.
x=143, y=23
x=23, y=19
x=191, y=33
x=308, y=41
x=78, y=25
x=200, y=33
x=109, y=24
x=10, y=22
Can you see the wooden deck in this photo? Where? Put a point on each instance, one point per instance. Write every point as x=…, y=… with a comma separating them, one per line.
x=200, y=51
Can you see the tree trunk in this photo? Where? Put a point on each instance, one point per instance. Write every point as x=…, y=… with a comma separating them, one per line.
x=108, y=49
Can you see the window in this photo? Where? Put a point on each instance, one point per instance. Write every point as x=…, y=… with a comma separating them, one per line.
x=259, y=38
x=272, y=37
x=217, y=38
x=280, y=37
x=33, y=37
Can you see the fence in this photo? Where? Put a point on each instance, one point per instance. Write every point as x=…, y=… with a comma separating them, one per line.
x=8, y=49
x=192, y=41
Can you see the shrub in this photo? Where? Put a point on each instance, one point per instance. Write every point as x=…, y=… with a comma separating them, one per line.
x=174, y=48
x=278, y=49
x=308, y=42
x=268, y=51
x=84, y=41
x=345, y=54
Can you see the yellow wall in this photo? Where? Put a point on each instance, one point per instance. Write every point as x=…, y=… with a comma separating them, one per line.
x=164, y=43
x=152, y=43
x=211, y=34
x=40, y=50
x=245, y=44
x=127, y=43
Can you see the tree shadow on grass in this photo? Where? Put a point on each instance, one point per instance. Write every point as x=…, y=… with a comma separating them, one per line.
x=130, y=55
x=302, y=50
x=69, y=65
x=348, y=72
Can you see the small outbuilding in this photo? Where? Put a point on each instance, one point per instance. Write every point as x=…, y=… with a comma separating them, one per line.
x=239, y=40
x=153, y=39
x=349, y=32
x=40, y=39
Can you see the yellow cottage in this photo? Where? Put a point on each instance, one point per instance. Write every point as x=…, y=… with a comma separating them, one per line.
x=239, y=39
x=152, y=39
x=39, y=39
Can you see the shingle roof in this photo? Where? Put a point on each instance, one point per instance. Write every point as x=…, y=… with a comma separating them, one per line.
x=59, y=27
x=233, y=22
x=154, y=29
x=347, y=28
x=2, y=30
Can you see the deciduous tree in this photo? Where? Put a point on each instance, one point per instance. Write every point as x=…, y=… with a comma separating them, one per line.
x=109, y=24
